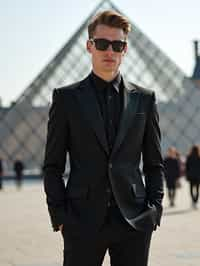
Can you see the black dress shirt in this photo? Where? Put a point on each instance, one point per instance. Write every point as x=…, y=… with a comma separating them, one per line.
x=110, y=99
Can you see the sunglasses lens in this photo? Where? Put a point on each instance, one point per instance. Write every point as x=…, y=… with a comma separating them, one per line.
x=103, y=44
x=118, y=46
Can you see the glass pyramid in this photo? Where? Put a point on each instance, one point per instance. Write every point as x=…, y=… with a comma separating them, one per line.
x=23, y=126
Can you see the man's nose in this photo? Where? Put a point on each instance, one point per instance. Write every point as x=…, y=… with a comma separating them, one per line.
x=110, y=48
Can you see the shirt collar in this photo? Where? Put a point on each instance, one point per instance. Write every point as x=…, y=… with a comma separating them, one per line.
x=101, y=83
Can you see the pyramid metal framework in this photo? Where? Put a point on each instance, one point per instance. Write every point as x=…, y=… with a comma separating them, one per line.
x=23, y=127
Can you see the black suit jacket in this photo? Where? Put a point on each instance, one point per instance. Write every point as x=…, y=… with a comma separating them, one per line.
x=75, y=125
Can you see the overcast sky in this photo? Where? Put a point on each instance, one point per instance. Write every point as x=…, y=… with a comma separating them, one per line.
x=32, y=32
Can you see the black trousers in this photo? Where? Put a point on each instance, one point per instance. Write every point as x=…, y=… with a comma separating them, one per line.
x=125, y=245
x=171, y=195
x=194, y=191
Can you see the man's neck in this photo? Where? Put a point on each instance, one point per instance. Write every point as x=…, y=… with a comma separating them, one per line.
x=106, y=76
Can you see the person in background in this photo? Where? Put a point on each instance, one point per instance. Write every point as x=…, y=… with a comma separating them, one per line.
x=106, y=125
x=172, y=173
x=1, y=174
x=193, y=173
x=18, y=169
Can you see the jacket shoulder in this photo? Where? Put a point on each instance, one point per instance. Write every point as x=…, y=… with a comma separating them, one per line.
x=142, y=90
x=66, y=90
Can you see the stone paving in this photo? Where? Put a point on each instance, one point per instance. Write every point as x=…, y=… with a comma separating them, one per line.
x=26, y=237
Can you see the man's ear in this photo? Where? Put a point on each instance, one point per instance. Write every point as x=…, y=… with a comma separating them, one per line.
x=125, y=49
x=88, y=46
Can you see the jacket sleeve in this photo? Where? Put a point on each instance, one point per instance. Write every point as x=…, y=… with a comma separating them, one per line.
x=153, y=167
x=55, y=160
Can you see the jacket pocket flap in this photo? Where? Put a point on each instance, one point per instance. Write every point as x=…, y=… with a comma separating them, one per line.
x=142, y=114
x=77, y=192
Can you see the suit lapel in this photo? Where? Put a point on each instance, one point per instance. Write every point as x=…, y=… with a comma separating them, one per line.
x=131, y=100
x=91, y=111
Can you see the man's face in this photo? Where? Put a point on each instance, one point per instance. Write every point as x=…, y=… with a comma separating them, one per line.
x=108, y=61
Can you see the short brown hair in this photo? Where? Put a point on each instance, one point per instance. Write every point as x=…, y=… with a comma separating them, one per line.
x=109, y=18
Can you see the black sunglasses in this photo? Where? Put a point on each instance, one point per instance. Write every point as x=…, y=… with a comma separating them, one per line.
x=103, y=44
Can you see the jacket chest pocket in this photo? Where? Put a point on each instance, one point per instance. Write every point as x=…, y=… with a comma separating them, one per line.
x=139, y=119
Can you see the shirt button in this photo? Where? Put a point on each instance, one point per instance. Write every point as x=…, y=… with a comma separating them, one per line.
x=110, y=165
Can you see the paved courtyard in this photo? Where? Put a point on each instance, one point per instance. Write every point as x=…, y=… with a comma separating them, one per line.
x=26, y=237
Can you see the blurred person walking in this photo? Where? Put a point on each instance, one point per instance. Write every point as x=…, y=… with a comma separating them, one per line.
x=193, y=173
x=18, y=169
x=1, y=174
x=172, y=173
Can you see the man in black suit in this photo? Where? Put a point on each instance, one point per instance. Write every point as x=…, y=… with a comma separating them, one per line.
x=106, y=125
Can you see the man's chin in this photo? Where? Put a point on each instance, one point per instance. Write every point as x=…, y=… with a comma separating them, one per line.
x=110, y=69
